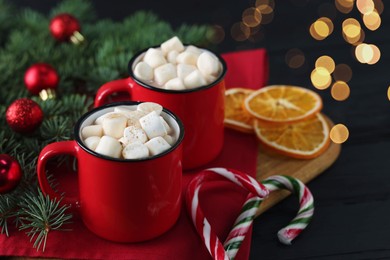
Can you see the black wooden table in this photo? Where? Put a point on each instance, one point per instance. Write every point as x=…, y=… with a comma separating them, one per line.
x=352, y=198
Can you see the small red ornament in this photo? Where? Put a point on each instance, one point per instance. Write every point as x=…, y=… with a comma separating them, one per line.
x=40, y=76
x=10, y=173
x=24, y=115
x=64, y=26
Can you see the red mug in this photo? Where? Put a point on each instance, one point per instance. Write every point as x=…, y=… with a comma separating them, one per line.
x=123, y=200
x=201, y=110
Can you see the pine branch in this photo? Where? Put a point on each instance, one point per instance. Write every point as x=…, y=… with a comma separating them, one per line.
x=40, y=215
x=25, y=40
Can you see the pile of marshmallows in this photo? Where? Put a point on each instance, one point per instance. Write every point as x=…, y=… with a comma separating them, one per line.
x=175, y=67
x=130, y=134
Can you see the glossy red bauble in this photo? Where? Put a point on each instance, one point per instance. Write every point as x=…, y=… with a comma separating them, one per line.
x=24, y=115
x=40, y=76
x=10, y=173
x=63, y=26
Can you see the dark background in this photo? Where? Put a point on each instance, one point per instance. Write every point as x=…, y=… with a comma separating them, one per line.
x=352, y=197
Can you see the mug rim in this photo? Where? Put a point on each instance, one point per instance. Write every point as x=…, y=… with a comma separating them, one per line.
x=143, y=84
x=126, y=103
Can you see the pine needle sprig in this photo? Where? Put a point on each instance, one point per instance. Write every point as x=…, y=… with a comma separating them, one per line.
x=8, y=205
x=40, y=215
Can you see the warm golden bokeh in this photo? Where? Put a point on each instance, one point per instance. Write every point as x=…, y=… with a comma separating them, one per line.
x=377, y=54
x=342, y=72
x=388, y=93
x=320, y=78
x=365, y=6
x=240, y=32
x=321, y=28
x=265, y=6
x=295, y=58
x=372, y=20
x=325, y=62
x=367, y=53
x=339, y=134
x=251, y=17
x=344, y=6
x=379, y=6
x=340, y=91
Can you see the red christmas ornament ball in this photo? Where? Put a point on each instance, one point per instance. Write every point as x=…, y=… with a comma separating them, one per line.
x=63, y=26
x=24, y=115
x=40, y=76
x=10, y=173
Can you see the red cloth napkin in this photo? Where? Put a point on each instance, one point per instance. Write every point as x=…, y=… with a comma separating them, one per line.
x=221, y=201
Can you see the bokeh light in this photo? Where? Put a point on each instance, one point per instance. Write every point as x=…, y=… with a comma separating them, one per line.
x=352, y=31
x=339, y=134
x=265, y=6
x=344, y=6
x=321, y=28
x=372, y=20
x=295, y=58
x=379, y=6
x=325, y=62
x=377, y=54
x=251, y=17
x=365, y=6
x=320, y=78
x=388, y=93
x=240, y=32
x=342, y=72
x=340, y=90
x=367, y=53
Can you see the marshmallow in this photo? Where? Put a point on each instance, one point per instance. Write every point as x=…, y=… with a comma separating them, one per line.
x=114, y=124
x=171, y=57
x=99, y=120
x=164, y=73
x=92, y=130
x=167, y=127
x=157, y=145
x=123, y=110
x=208, y=64
x=92, y=142
x=187, y=57
x=175, y=84
x=152, y=125
x=172, y=44
x=154, y=58
x=136, y=150
x=147, y=107
x=133, y=118
x=109, y=146
x=133, y=134
x=143, y=71
x=170, y=140
x=194, y=49
x=183, y=70
x=194, y=79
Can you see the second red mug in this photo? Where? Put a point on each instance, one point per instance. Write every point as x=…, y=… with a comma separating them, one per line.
x=201, y=110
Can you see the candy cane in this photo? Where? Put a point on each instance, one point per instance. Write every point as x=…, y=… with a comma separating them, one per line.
x=213, y=245
x=306, y=205
x=242, y=225
x=248, y=213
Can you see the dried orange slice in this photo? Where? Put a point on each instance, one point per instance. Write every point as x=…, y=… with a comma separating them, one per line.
x=303, y=140
x=283, y=104
x=236, y=117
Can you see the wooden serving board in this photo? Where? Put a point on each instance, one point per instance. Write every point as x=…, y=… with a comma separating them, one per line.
x=270, y=163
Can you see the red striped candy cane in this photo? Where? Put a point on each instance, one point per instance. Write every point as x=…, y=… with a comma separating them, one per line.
x=202, y=225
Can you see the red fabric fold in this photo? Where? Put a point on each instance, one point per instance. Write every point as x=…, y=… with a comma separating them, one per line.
x=221, y=201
